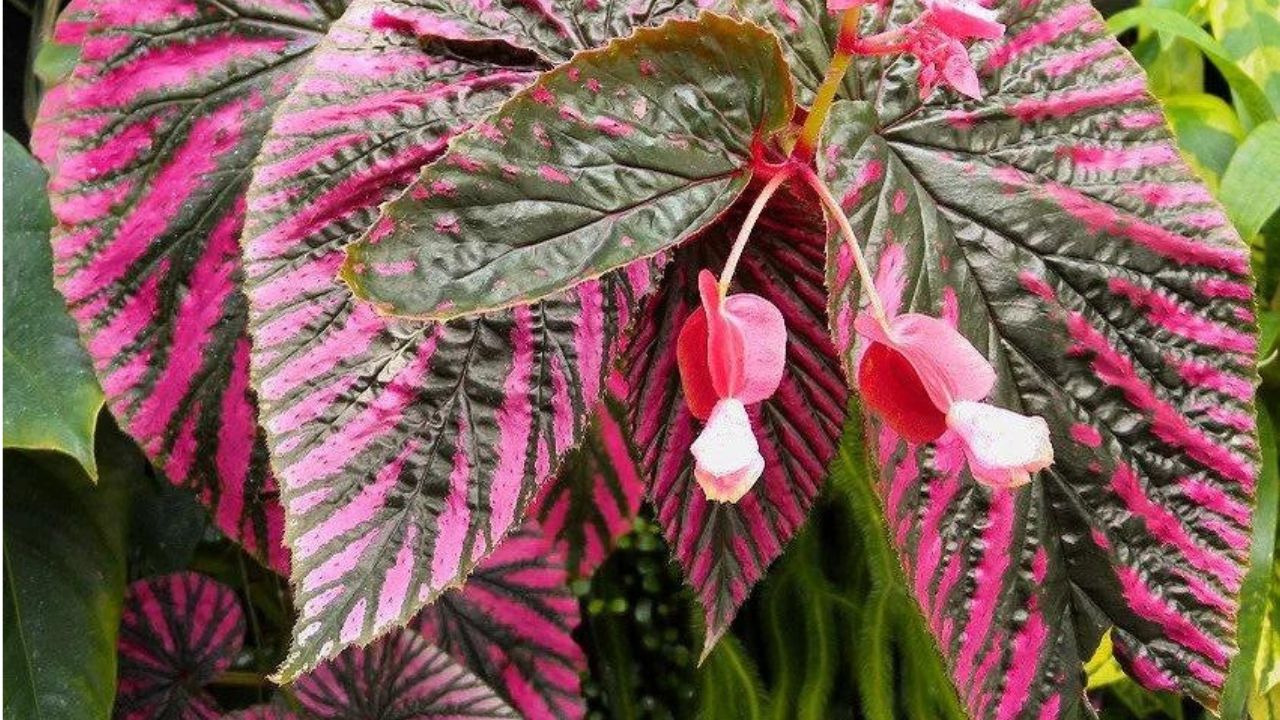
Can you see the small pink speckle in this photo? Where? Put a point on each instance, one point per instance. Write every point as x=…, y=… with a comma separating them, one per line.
x=385, y=227
x=1086, y=435
x=640, y=107
x=613, y=128
x=510, y=171
x=899, y=201
x=593, y=85
x=647, y=67
x=553, y=175
x=628, y=241
x=447, y=224
x=574, y=73
x=443, y=187
x=1036, y=285
x=466, y=163
x=490, y=132
x=569, y=114
x=540, y=133
x=543, y=95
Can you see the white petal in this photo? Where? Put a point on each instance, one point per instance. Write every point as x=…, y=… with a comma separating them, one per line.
x=726, y=454
x=1003, y=447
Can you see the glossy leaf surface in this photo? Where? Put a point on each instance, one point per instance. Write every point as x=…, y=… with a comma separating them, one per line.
x=1055, y=224
x=150, y=144
x=177, y=633
x=609, y=159
x=51, y=398
x=400, y=677
x=725, y=548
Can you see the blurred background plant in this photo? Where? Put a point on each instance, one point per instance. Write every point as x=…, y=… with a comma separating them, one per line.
x=831, y=632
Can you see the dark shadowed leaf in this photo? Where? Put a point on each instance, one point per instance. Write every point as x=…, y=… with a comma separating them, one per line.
x=150, y=143
x=177, y=633
x=51, y=398
x=1055, y=224
x=400, y=677
x=609, y=159
x=263, y=712
x=594, y=498
x=64, y=578
x=406, y=451
x=511, y=624
x=725, y=548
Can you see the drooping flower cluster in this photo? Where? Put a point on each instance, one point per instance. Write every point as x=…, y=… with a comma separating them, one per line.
x=731, y=353
x=923, y=378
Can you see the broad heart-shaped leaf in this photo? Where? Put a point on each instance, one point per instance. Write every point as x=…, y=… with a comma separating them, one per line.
x=400, y=677
x=511, y=624
x=156, y=130
x=1056, y=225
x=594, y=498
x=725, y=548
x=620, y=154
x=406, y=451
x=51, y=398
x=177, y=633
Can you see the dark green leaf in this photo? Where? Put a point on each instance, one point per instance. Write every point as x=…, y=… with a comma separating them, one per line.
x=64, y=573
x=618, y=155
x=51, y=398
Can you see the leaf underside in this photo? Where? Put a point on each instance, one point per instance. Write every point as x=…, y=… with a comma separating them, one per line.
x=725, y=548
x=511, y=625
x=618, y=155
x=149, y=144
x=177, y=633
x=1056, y=225
x=400, y=676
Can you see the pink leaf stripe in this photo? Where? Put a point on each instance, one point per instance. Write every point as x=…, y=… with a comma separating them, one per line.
x=149, y=144
x=594, y=498
x=1056, y=226
x=405, y=451
x=400, y=676
x=726, y=548
x=511, y=625
x=177, y=632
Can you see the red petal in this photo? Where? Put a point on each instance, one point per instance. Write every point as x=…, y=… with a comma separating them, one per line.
x=891, y=388
x=695, y=375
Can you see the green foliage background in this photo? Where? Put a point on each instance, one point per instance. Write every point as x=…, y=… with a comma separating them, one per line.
x=831, y=632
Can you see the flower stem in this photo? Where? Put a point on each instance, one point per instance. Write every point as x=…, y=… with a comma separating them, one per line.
x=846, y=230
x=840, y=61
x=748, y=224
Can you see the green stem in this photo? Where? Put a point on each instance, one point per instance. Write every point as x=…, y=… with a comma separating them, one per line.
x=807, y=143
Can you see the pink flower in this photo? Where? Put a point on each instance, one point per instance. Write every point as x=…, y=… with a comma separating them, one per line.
x=962, y=19
x=731, y=354
x=839, y=5
x=924, y=379
x=942, y=59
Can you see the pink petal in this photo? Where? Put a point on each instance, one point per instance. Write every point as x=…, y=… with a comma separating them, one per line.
x=950, y=367
x=1003, y=447
x=727, y=460
x=724, y=340
x=764, y=335
x=838, y=5
x=959, y=73
x=963, y=19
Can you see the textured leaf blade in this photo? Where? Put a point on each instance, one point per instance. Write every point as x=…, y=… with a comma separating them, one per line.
x=51, y=398
x=406, y=450
x=611, y=158
x=511, y=625
x=725, y=548
x=177, y=633
x=400, y=676
x=594, y=498
x=1056, y=225
x=155, y=132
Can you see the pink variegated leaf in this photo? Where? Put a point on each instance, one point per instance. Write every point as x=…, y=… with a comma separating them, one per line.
x=149, y=144
x=594, y=498
x=1056, y=226
x=725, y=548
x=406, y=451
x=272, y=711
x=511, y=625
x=177, y=632
x=400, y=677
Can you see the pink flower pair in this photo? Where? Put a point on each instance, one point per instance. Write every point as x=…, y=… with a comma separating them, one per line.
x=936, y=38
x=919, y=375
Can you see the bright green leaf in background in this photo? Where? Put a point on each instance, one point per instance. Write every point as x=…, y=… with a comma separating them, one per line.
x=1251, y=184
x=51, y=398
x=64, y=577
x=1249, y=31
x=1208, y=132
